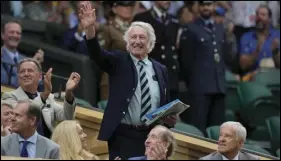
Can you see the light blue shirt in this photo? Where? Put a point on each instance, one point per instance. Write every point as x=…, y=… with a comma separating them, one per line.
x=134, y=110
x=12, y=55
x=31, y=147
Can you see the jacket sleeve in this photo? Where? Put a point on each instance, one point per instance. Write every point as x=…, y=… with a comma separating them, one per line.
x=104, y=59
x=65, y=111
x=186, y=52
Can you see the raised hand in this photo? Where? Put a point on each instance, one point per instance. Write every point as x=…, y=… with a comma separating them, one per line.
x=87, y=19
x=72, y=82
x=47, y=84
x=39, y=56
x=157, y=152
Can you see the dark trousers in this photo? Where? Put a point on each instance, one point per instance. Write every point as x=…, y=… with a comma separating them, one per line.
x=127, y=142
x=204, y=111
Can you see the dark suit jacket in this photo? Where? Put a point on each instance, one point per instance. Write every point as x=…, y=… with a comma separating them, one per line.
x=198, y=45
x=72, y=44
x=218, y=156
x=123, y=81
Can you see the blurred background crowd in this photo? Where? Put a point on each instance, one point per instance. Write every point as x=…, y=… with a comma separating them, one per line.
x=49, y=31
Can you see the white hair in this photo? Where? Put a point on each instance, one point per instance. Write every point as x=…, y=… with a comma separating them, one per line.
x=240, y=130
x=149, y=30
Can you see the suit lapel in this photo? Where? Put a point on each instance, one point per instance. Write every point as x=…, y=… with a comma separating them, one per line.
x=158, y=73
x=201, y=23
x=15, y=146
x=21, y=95
x=40, y=147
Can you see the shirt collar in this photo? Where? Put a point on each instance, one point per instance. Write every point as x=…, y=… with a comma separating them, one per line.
x=136, y=60
x=208, y=21
x=120, y=22
x=235, y=158
x=158, y=12
x=32, y=139
x=11, y=54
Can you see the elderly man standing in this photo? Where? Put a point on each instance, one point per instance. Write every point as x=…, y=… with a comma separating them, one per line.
x=231, y=140
x=138, y=85
x=29, y=74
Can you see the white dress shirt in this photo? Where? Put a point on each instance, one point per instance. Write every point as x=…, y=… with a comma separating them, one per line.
x=235, y=158
x=31, y=147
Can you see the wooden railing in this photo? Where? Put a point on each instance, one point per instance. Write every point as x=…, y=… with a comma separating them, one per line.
x=188, y=146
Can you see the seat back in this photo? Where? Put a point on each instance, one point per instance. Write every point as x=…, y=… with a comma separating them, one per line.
x=273, y=125
x=188, y=129
x=213, y=132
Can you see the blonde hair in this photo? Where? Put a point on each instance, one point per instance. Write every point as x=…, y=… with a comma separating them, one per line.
x=66, y=135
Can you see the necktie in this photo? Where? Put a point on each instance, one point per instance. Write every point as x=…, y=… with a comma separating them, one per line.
x=210, y=26
x=163, y=18
x=145, y=91
x=16, y=60
x=24, y=152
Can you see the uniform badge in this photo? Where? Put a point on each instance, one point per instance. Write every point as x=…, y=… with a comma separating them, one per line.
x=217, y=57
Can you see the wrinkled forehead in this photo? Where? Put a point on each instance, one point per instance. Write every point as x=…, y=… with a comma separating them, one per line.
x=138, y=30
x=12, y=26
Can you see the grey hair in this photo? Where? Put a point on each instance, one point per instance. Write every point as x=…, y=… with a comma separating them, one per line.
x=149, y=30
x=240, y=130
x=10, y=103
x=169, y=138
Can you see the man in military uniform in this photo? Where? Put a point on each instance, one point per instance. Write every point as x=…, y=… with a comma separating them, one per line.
x=202, y=48
x=166, y=30
x=111, y=35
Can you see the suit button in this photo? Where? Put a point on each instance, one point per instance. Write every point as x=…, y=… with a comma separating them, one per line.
x=215, y=50
x=202, y=39
x=124, y=113
x=163, y=47
x=215, y=43
x=163, y=56
x=173, y=48
x=133, y=89
x=128, y=100
x=174, y=67
x=175, y=57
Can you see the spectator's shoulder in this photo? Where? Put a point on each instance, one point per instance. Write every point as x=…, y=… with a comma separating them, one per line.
x=50, y=144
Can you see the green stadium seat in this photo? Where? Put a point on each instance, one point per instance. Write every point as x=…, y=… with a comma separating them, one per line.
x=83, y=103
x=102, y=104
x=230, y=115
x=278, y=153
x=256, y=149
x=250, y=91
x=188, y=129
x=270, y=78
x=273, y=125
x=213, y=132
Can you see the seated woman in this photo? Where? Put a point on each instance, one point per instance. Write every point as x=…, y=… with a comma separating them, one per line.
x=72, y=140
x=6, y=117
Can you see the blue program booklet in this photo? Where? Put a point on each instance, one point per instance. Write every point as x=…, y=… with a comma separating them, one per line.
x=173, y=108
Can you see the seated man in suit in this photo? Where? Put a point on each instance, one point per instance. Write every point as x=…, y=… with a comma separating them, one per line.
x=159, y=145
x=25, y=141
x=29, y=74
x=138, y=85
x=232, y=137
x=10, y=56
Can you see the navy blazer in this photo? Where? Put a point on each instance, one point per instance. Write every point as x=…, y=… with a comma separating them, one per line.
x=203, y=75
x=72, y=44
x=123, y=80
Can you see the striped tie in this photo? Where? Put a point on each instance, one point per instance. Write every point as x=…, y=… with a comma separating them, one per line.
x=145, y=91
